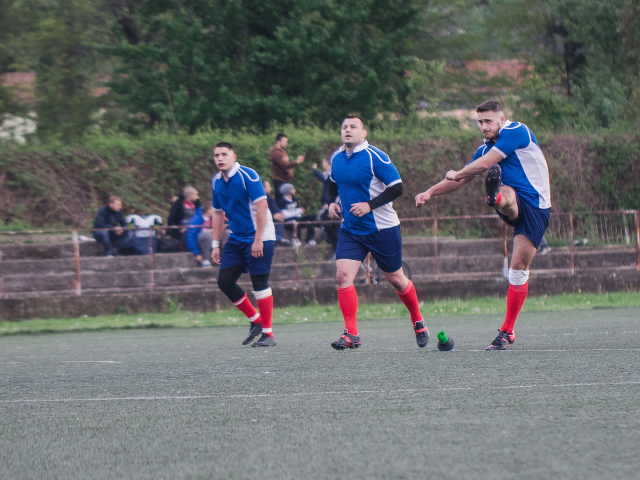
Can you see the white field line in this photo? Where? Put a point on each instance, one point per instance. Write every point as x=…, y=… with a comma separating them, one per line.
x=89, y=361
x=305, y=394
x=564, y=350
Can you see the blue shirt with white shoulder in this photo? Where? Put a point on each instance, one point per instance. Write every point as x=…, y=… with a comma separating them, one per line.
x=523, y=165
x=360, y=177
x=237, y=197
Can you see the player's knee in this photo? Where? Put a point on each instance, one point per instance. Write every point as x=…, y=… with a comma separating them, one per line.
x=518, y=277
x=343, y=278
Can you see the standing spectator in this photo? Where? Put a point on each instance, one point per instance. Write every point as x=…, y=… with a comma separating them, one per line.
x=110, y=216
x=276, y=213
x=323, y=176
x=199, y=239
x=330, y=230
x=281, y=167
x=182, y=210
x=292, y=212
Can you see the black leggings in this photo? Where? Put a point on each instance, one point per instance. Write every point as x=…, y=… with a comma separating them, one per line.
x=228, y=282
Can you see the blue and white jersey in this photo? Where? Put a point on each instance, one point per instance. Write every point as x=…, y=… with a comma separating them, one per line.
x=524, y=167
x=363, y=176
x=237, y=197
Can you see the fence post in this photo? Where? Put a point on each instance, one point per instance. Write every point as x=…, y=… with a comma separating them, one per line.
x=572, y=246
x=76, y=261
x=152, y=275
x=635, y=214
x=1, y=276
x=435, y=244
x=367, y=266
x=294, y=236
x=505, y=260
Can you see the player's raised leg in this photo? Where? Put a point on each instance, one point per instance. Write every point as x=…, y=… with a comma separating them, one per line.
x=348, y=300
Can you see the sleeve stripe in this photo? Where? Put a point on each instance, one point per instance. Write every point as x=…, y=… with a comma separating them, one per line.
x=264, y=197
x=218, y=209
x=394, y=183
x=499, y=152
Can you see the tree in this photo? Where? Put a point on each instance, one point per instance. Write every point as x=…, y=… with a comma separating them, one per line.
x=241, y=64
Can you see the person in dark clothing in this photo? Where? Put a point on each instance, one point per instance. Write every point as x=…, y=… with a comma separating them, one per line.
x=276, y=213
x=182, y=210
x=323, y=176
x=110, y=216
x=292, y=212
x=330, y=231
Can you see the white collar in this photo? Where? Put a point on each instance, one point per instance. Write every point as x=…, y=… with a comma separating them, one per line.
x=506, y=124
x=359, y=148
x=233, y=170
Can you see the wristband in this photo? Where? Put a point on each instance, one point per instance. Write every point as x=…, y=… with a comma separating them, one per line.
x=215, y=244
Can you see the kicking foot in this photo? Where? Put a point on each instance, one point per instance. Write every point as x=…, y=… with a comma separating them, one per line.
x=265, y=341
x=255, y=329
x=422, y=333
x=346, y=341
x=492, y=185
x=502, y=341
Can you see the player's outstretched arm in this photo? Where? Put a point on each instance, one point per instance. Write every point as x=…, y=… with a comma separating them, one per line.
x=217, y=224
x=475, y=168
x=261, y=223
x=441, y=188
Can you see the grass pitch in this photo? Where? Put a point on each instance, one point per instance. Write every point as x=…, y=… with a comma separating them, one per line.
x=562, y=402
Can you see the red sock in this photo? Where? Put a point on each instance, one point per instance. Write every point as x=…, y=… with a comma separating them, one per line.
x=410, y=300
x=515, y=300
x=244, y=305
x=348, y=300
x=265, y=305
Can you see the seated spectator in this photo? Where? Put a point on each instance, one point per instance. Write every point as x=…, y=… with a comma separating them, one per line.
x=182, y=210
x=278, y=217
x=140, y=243
x=199, y=236
x=110, y=216
x=292, y=212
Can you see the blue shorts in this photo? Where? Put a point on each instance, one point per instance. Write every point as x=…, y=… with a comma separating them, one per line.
x=385, y=247
x=532, y=222
x=236, y=252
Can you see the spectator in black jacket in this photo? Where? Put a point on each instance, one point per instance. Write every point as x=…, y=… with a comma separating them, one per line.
x=276, y=213
x=182, y=210
x=110, y=216
x=330, y=230
x=323, y=176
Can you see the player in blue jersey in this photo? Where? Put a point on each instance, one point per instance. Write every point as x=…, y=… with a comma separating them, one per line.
x=367, y=183
x=517, y=186
x=238, y=193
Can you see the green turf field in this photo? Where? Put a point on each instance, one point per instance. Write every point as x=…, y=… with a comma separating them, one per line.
x=562, y=402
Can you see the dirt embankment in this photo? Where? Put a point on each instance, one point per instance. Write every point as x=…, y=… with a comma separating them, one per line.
x=45, y=188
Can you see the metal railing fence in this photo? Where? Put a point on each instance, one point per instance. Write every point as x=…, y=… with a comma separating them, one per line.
x=571, y=230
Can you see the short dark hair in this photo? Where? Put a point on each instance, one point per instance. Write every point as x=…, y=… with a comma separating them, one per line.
x=489, y=106
x=224, y=145
x=206, y=206
x=349, y=117
x=113, y=199
x=280, y=136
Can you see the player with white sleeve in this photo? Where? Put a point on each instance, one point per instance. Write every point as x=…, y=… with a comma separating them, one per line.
x=237, y=191
x=517, y=186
